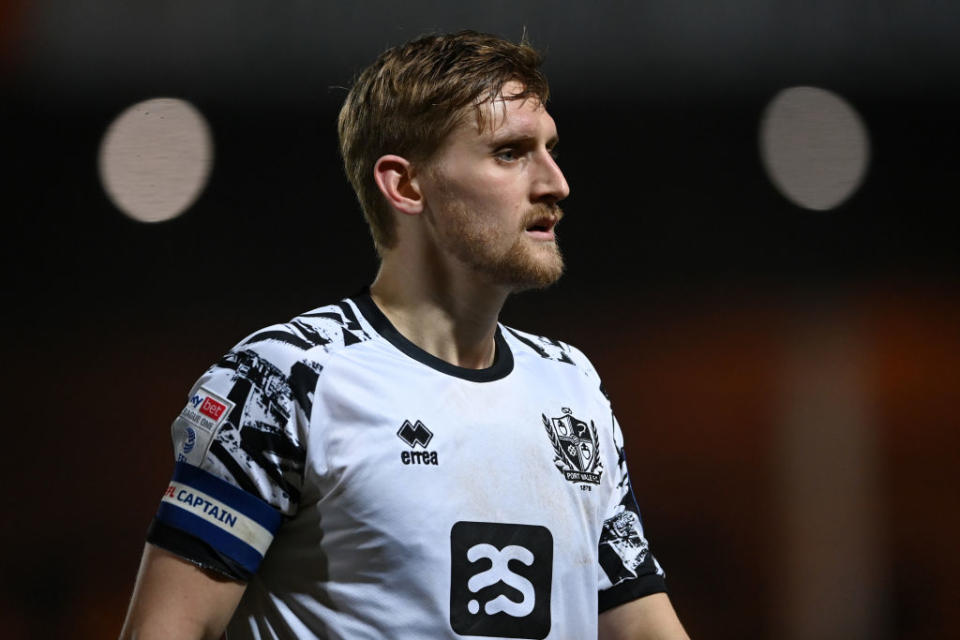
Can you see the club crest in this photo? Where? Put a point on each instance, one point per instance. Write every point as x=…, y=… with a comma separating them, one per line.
x=576, y=447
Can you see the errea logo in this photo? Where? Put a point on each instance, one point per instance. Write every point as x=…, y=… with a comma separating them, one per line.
x=416, y=435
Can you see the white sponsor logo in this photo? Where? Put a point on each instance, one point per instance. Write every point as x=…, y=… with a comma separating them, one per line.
x=500, y=572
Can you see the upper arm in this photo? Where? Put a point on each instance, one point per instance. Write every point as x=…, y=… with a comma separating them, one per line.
x=648, y=618
x=633, y=602
x=240, y=447
x=628, y=569
x=174, y=599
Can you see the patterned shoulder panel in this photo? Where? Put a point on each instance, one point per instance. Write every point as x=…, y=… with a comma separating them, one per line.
x=546, y=348
x=266, y=387
x=558, y=351
x=329, y=327
x=629, y=569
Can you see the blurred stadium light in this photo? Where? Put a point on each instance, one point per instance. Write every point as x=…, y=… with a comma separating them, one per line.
x=155, y=159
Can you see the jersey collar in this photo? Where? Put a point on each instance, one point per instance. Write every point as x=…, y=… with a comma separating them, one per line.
x=502, y=359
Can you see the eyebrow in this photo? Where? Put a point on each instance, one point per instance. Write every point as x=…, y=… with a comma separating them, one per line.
x=520, y=138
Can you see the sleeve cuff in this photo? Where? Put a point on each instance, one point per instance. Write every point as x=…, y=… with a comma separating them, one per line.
x=629, y=590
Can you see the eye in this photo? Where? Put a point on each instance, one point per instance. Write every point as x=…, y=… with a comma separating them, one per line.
x=554, y=153
x=506, y=154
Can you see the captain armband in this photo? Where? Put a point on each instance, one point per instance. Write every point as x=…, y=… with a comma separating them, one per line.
x=233, y=522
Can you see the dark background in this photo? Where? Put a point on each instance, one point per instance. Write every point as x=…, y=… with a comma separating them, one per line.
x=786, y=378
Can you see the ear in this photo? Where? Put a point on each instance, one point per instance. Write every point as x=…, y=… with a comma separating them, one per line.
x=395, y=177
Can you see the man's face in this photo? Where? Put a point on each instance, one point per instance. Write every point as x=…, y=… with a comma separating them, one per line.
x=491, y=195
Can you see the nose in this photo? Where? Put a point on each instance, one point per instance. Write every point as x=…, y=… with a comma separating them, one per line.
x=550, y=185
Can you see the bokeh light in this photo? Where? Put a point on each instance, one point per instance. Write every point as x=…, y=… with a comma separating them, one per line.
x=814, y=146
x=155, y=159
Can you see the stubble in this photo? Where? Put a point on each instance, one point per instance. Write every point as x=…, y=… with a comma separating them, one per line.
x=525, y=264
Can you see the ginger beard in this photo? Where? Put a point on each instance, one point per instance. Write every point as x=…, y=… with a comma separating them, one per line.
x=520, y=265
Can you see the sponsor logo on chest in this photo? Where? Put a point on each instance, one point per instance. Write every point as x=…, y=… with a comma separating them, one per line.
x=416, y=434
x=500, y=579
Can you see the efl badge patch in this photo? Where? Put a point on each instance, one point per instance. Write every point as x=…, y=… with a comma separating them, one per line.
x=195, y=427
x=206, y=410
x=576, y=447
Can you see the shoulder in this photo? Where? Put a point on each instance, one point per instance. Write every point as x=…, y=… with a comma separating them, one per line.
x=283, y=362
x=549, y=350
x=309, y=337
x=321, y=330
x=253, y=406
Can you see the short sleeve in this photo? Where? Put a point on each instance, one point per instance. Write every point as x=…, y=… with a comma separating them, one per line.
x=627, y=569
x=240, y=450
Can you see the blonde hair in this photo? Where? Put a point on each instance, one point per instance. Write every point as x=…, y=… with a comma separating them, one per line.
x=414, y=95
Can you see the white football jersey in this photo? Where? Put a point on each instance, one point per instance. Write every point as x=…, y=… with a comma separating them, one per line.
x=367, y=489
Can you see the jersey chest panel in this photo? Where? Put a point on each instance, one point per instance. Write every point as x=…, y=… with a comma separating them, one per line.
x=400, y=454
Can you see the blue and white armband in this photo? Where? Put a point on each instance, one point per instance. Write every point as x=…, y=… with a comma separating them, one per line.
x=234, y=523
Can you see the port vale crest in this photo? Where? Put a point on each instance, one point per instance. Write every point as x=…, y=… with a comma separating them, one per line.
x=576, y=447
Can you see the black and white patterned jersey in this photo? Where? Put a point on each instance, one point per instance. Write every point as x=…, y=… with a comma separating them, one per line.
x=366, y=489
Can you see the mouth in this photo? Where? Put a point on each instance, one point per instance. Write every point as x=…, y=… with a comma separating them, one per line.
x=541, y=227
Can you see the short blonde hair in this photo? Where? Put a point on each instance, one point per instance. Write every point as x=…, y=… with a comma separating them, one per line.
x=414, y=95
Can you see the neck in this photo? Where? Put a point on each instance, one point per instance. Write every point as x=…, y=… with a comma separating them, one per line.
x=449, y=313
